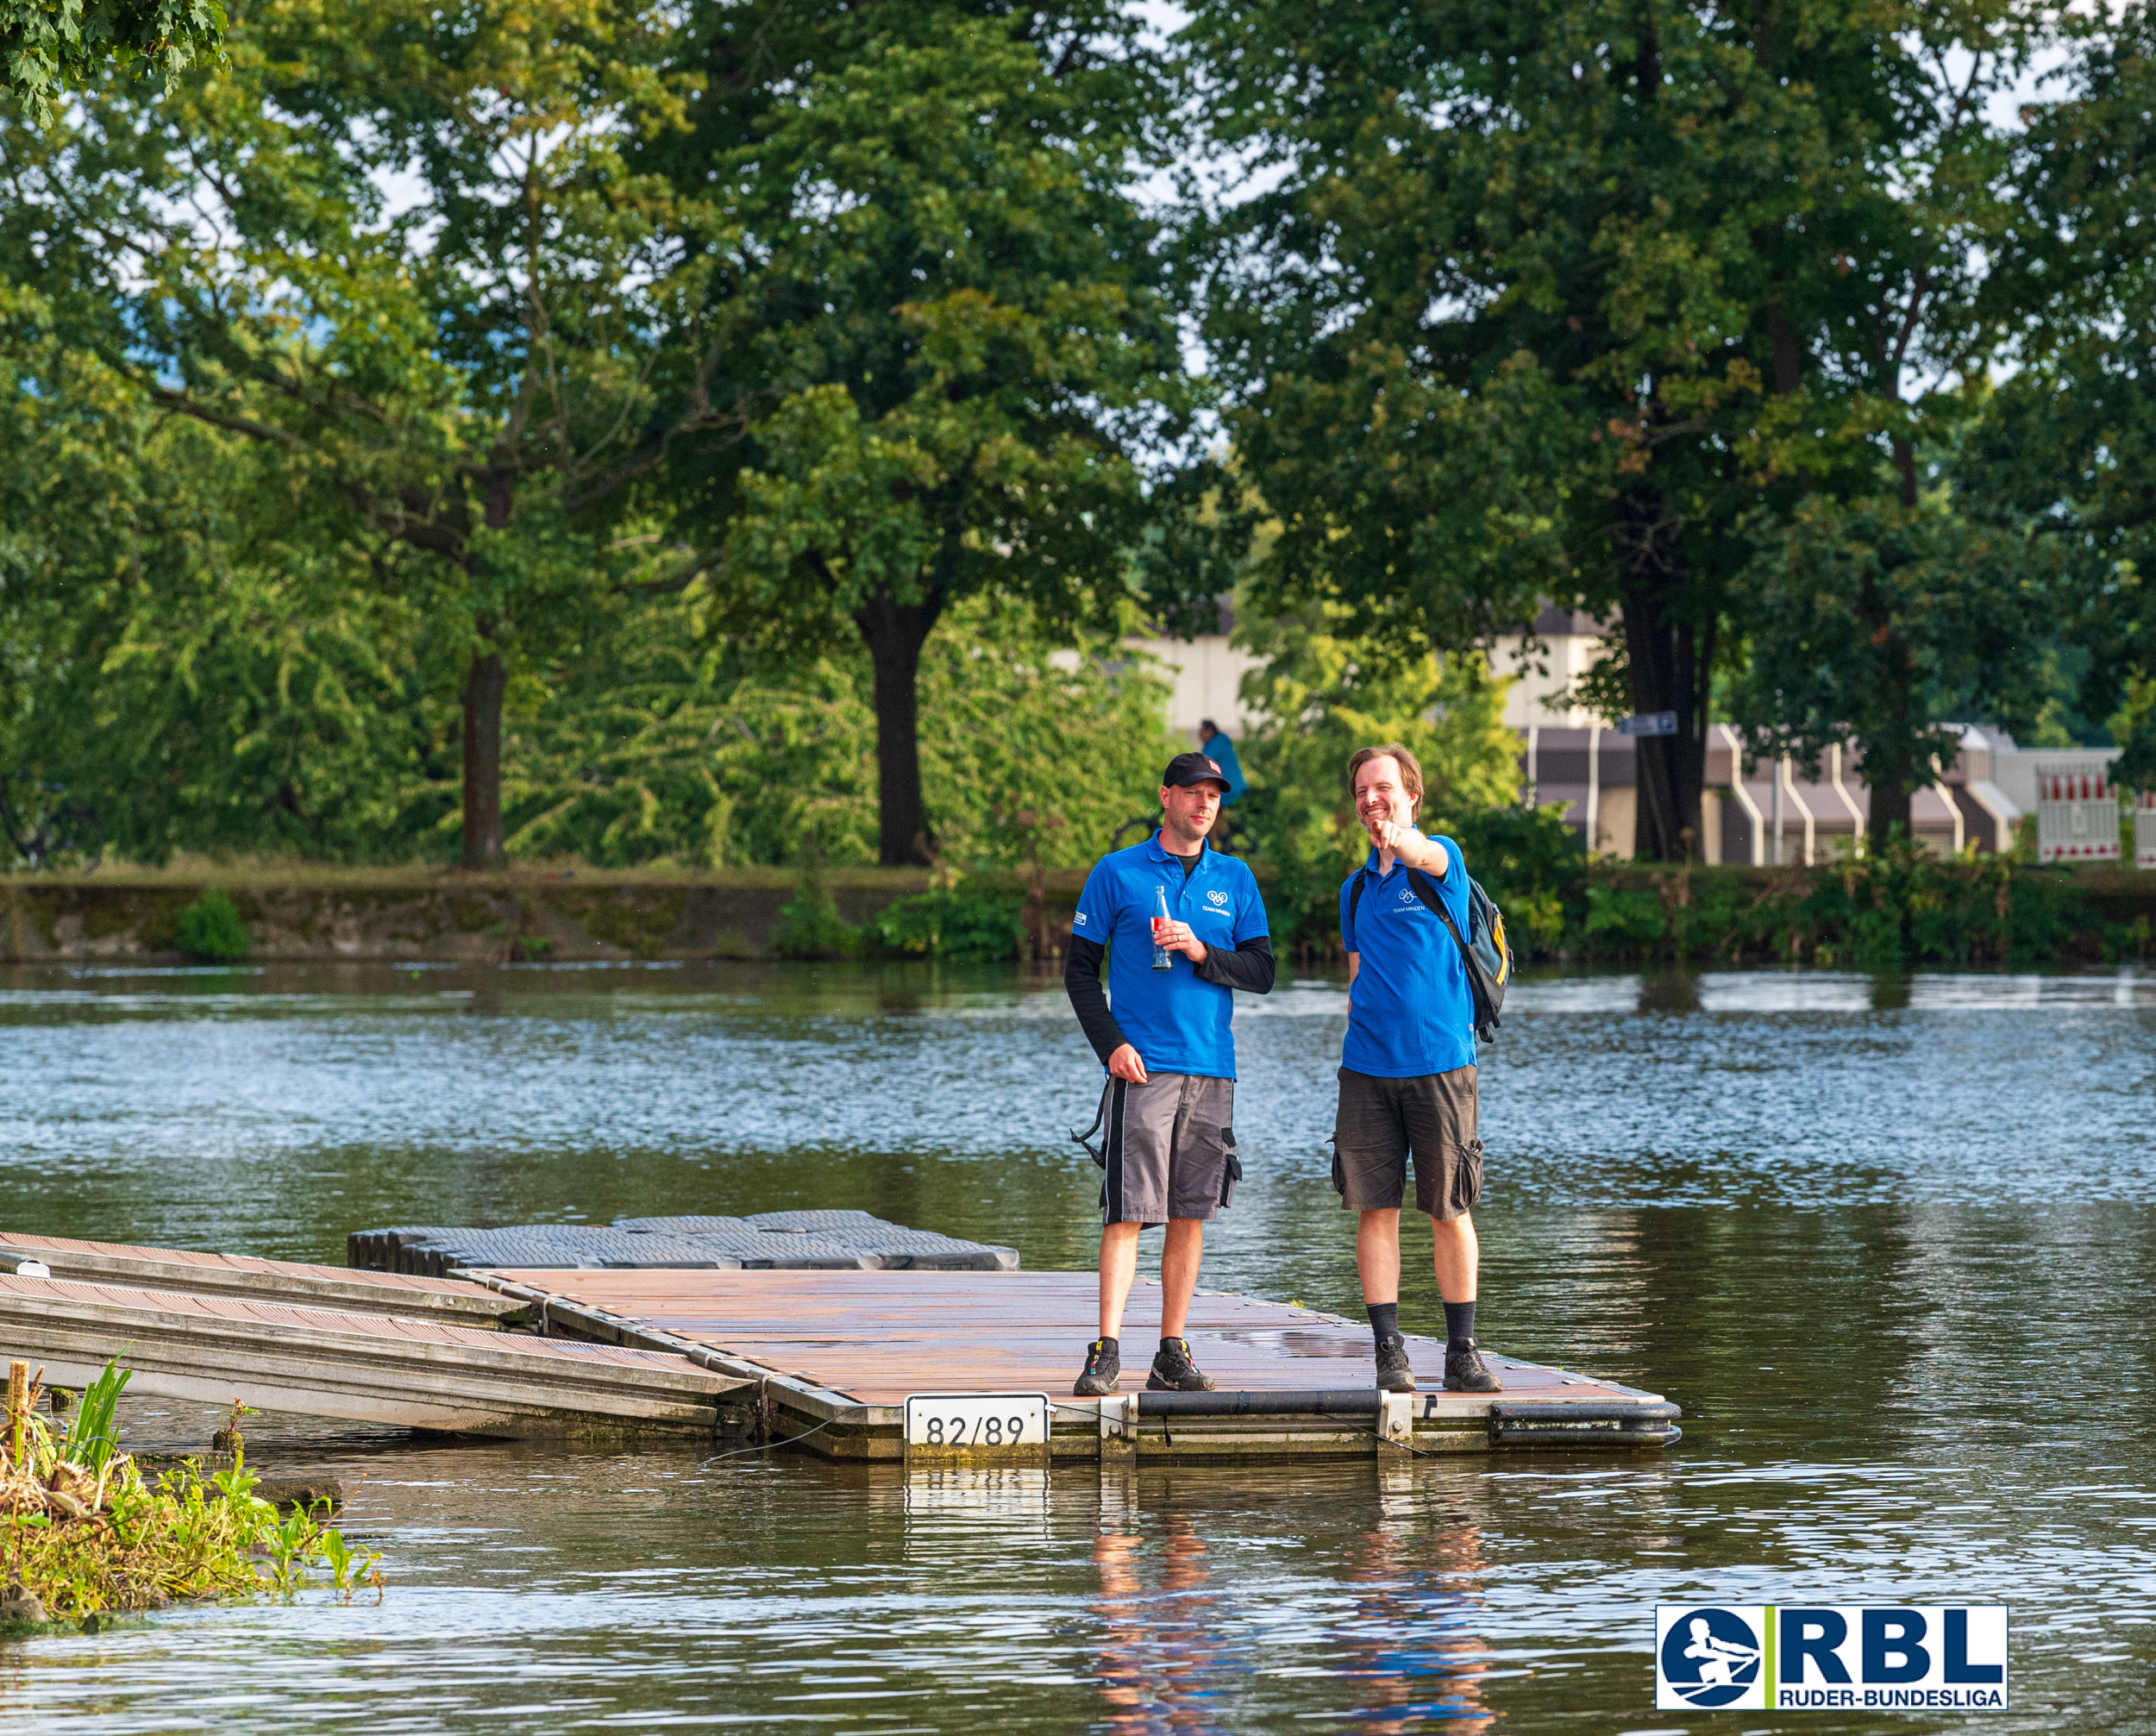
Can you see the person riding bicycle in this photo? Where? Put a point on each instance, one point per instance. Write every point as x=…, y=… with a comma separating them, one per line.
x=1220, y=750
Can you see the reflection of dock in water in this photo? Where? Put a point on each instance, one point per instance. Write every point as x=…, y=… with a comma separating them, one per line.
x=827, y=1357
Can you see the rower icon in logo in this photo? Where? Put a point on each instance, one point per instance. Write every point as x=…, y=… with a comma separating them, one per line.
x=1711, y=1656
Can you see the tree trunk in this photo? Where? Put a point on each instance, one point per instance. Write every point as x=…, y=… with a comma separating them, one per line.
x=1892, y=795
x=1890, y=767
x=1670, y=672
x=895, y=633
x=483, y=689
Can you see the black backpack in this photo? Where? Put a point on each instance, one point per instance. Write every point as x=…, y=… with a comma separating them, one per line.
x=1482, y=949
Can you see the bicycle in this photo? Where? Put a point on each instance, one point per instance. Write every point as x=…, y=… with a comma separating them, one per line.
x=57, y=830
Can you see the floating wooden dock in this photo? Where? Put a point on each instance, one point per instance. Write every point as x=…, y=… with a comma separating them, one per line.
x=832, y=1357
x=825, y=1360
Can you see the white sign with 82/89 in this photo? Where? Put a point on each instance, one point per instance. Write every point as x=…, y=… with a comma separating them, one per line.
x=977, y=1422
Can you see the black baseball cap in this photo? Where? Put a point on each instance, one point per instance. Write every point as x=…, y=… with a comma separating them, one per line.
x=1185, y=769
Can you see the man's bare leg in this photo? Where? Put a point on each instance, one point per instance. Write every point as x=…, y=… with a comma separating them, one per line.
x=1118, y=1267
x=1179, y=1259
x=1377, y=1255
x=1456, y=1256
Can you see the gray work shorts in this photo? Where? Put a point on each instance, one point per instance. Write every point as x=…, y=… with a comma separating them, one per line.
x=1169, y=1147
x=1382, y=1122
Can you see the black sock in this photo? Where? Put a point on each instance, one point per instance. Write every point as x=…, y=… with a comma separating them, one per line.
x=1112, y=1345
x=1171, y=1344
x=1459, y=1322
x=1384, y=1319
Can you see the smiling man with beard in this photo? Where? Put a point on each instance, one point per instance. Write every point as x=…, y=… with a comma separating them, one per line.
x=1408, y=1075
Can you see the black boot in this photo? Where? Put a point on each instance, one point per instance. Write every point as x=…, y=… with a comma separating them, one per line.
x=1395, y=1373
x=1103, y=1368
x=1174, y=1372
x=1466, y=1372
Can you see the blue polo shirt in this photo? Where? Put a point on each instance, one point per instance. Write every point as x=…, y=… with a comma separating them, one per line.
x=1177, y=1020
x=1411, y=1011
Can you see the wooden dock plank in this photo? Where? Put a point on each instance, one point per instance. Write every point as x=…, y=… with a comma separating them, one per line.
x=875, y=1337
x=242, y=1275
x=361, y=1367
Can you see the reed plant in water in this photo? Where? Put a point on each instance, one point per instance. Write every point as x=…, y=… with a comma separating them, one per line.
x=88, y=1534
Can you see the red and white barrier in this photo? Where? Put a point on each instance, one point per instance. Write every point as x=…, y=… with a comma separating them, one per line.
x=2144, y=830
x=2078, y=814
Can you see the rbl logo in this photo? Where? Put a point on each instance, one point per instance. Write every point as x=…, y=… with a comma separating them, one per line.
x=1771, y=1657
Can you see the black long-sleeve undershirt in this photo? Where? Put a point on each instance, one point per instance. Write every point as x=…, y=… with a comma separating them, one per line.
x=1249, y=968
x=1088, y=999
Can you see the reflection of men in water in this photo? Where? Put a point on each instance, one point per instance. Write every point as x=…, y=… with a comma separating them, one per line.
x=1410, y=1641
x=1718, y=1658
x=1181, y=925
x=1157, y=1657
x=1407, y=1081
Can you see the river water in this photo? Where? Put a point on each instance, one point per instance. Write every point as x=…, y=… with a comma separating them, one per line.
x=1889, y=1242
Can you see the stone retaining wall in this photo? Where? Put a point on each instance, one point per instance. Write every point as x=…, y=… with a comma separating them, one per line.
x=474, y=918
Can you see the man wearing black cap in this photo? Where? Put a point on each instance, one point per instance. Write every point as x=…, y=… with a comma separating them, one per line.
x=1181, y=925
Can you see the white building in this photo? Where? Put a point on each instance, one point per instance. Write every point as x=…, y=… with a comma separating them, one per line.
x=1542, y=680
x=1208, y=672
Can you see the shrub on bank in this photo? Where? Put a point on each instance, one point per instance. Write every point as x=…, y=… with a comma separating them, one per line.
x=1900, y=906
x=977, y=921
x=810, y=926
x=89, y=1535
x=968, y=923
x=211, y=929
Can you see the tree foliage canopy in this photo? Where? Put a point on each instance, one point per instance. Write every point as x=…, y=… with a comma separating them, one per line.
x=47, y=45
x=1555, y=299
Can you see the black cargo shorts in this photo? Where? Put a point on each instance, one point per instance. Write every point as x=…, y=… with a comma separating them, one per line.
x=1383, y=1123
x=1169, y=1147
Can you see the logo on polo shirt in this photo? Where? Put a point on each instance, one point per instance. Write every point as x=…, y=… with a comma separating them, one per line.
x=1079, y=918
x=1219, y=898
x=1407, y=894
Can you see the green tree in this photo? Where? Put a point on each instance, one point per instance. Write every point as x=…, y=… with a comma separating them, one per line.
x=1321, y=693
x=184, y=652
x=1032, y=750
x=967, y=350
x=1873, y=623
x=1549, y=300
x=46, y=45
x=2067, y=442
x=472, y=379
